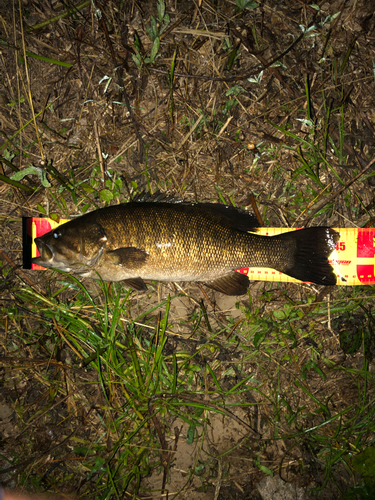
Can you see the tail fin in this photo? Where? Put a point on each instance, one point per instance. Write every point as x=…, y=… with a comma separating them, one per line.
x=309, y=251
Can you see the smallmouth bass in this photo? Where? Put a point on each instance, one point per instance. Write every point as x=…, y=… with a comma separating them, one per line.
x=160, y=238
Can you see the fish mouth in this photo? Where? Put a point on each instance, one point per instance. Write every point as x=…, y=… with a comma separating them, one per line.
x=46, y=253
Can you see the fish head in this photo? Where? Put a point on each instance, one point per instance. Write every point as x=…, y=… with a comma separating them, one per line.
x=71, y=247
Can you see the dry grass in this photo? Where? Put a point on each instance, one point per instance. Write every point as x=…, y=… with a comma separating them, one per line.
x=109, y=393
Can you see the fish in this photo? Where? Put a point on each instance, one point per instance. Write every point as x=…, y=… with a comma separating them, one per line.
x=159, y=237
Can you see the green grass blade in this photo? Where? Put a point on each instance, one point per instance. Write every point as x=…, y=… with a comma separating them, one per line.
x=57, y=18
x=16, y=184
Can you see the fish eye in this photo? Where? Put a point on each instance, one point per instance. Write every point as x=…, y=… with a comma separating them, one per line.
x=56, y=234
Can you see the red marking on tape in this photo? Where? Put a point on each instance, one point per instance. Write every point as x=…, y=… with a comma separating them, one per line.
x=365, y=272
x=340, y=246
x=365, y=244
x=243, y=270
x=42, y=226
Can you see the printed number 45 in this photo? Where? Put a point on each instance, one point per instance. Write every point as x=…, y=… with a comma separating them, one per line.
x=340, y=246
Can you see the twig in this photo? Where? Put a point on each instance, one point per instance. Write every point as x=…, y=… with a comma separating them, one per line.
x=255, y=209
x=167, y=454
x=218, y=479
x=101, y=163
x=329, y=320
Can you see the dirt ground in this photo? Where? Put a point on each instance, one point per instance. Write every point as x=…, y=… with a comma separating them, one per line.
x=229, y=126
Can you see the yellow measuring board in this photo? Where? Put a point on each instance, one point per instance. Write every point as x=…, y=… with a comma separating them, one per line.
x=353, y=259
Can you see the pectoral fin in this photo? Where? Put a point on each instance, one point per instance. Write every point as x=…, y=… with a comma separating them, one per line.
x=129, y=257
x=231, y=284
x=136, y=284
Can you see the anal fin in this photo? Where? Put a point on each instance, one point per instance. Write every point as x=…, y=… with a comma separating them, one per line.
x=230, y=284
x=136, y=284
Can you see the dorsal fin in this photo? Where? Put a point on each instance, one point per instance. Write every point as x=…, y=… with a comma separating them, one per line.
x=157, y=197
x=233, y=217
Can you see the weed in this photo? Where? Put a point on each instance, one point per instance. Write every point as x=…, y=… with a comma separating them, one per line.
x=155, y=30
x=119, y=393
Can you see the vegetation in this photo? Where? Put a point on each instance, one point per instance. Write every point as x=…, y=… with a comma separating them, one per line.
x=111, y=393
